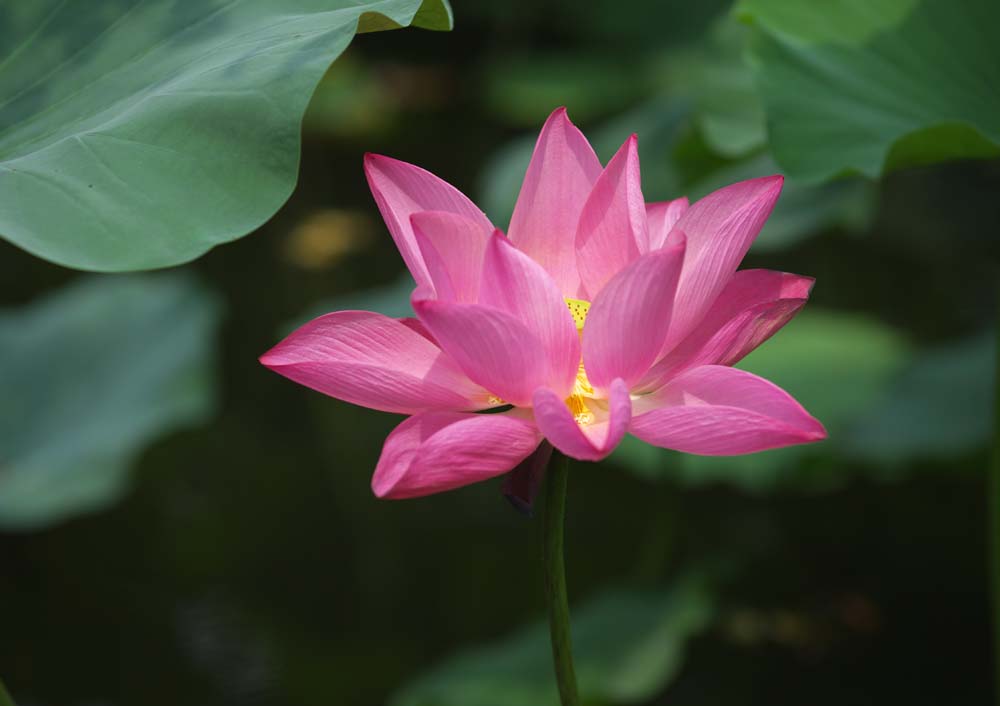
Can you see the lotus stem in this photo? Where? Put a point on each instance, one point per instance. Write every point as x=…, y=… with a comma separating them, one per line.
x=555, y=579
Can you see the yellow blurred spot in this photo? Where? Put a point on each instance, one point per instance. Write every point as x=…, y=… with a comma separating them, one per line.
x=325, y=237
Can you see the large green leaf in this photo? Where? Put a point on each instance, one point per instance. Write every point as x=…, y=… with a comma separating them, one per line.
x=628, y=645
x=852, y=85
x=138, y=134
x=91, y=375
x=837, y=365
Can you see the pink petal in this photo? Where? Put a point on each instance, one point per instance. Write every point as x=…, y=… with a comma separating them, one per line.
x=752, y=308
x=662, y=216
x=452, y=247
x=628, y=322
x=374, y=361
x=719, y=230
x=719, y=411
x=588, y=442
x=491, y=347
x=401, y=189
x=561, y=174
x=514, y=283
x=438, y=451
x=613, y=229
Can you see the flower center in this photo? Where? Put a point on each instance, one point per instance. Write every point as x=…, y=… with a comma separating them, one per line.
x=578, y=308
x=582, y=389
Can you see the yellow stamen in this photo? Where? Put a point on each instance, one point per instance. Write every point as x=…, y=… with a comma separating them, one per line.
x=578, y=308
x=495, y=401
x=582, y=389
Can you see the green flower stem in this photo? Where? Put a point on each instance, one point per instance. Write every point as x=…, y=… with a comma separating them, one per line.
x=5, y=699
x=555, y=579
x=994, y=523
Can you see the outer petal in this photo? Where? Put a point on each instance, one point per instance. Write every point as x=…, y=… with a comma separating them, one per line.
x=752, y=308
x=374, y=361
x=718, y=411
x=452, y=247
x=628, y=322
x=401, y=189
x=662, y=216
x=438, y=451
x=560, y=176
x=719, y=229
x=590, y=442
x=490, y=346
x=514, y=283
x=613, y=229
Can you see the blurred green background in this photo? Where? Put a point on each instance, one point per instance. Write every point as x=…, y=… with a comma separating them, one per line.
x=179, y=525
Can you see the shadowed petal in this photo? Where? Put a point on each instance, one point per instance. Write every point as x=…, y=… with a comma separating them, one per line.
x=587, y=442
x=401, y=189
x=612, y=230
x=452, y=247
x=514, y=283
x=753, y=307
x=491, y=347
x=560, y=176
x=662, y=216
x=628, y=322
x=719, y=411
x=438, y=451
x=374, y=361
x=720, y=229
x=521, y=485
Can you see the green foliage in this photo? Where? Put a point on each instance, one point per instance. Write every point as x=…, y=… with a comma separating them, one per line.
x=525, y=88
x=628, y=645
x=141, y=134
x=91, y=375
x=939, y=406
x=836, y=365
x=5, y=699
x=855, y=86
x=727, y=110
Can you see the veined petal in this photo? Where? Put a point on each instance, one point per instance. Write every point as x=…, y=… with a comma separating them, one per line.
x=452, y=247
x=514, y=283
x=715, y=410
x=662, y=216
x=585, y=442
x=629, y=319
x=401, y=189
x=491, y=347
x=612, y=231
x=438, y=451
x=754, y=305
x=374, y=361
x=720, y=229
x=560, y=176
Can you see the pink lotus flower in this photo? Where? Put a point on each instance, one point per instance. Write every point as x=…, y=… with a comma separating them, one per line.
x=598, y=314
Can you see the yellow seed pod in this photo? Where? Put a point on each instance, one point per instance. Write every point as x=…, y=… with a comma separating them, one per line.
x=578, y=308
